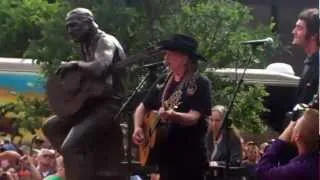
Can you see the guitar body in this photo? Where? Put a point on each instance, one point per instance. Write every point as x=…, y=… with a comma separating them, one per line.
x=154, y=134
x=68, y=94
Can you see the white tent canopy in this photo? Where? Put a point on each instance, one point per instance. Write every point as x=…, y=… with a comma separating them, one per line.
x=18, y=65
x=277, y=74
x=258, y=76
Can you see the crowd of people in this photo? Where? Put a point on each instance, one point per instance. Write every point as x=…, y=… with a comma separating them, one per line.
x=256, y=161
x=26, y=163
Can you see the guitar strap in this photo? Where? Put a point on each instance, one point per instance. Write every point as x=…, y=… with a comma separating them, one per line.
x=174, y=100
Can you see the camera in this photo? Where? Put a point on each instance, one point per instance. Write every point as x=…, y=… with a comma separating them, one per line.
x=296, y=112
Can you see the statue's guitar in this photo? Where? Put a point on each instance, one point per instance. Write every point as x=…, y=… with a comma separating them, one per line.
x=68, y=92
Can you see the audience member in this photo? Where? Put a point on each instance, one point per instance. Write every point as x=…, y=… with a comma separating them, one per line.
x=217, y=148
x=60, y=174
x=262, y=148
x=46, y=158
x=252, y=153
x=280, y=160
x=252, y=157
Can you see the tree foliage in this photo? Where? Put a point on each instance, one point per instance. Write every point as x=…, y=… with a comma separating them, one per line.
x=219, y=26
x=21, y=21
x=25, y=113
x=248, y=105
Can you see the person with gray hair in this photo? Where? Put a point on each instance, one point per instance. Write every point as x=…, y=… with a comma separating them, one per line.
x=91, y=140
x=217, y=141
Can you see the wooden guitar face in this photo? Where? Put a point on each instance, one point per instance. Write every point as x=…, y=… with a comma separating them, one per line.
x=149, y=127
x=154, y=134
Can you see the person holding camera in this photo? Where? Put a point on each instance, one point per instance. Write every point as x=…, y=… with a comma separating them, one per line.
x=280, y=160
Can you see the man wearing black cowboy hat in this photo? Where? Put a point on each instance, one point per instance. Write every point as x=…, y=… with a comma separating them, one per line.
x=182, y=101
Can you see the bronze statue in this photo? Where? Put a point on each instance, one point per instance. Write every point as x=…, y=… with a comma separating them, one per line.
x=84, y=129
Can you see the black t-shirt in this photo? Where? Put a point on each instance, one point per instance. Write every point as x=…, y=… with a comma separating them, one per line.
x=309, y=82
x=185, y=145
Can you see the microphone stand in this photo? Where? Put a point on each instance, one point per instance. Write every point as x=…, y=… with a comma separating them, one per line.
x=147, y=77
x=226, y=120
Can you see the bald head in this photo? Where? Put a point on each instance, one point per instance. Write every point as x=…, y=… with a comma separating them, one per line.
x=307, y=128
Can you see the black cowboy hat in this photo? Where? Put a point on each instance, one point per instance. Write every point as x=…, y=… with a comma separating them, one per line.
x=183, y=44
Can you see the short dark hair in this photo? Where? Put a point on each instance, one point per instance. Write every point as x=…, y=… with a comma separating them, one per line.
x=311, y=18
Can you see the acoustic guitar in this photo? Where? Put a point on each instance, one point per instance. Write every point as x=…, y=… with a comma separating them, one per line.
x=154, y=135
x=150, y=125
x=68, y=93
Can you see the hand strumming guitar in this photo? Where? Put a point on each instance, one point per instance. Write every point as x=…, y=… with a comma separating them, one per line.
x=164, y=114
x=138, y=136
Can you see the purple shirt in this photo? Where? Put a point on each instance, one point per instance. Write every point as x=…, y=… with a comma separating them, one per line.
x=278, y=163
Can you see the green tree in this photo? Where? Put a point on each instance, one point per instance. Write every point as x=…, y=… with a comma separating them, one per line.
x=21, y=21
x=248, y=104
x=25, y=113
x=53, y=46
x=219, y=26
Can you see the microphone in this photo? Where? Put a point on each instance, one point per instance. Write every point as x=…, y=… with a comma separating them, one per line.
x=267, y=40
x=154, y=65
